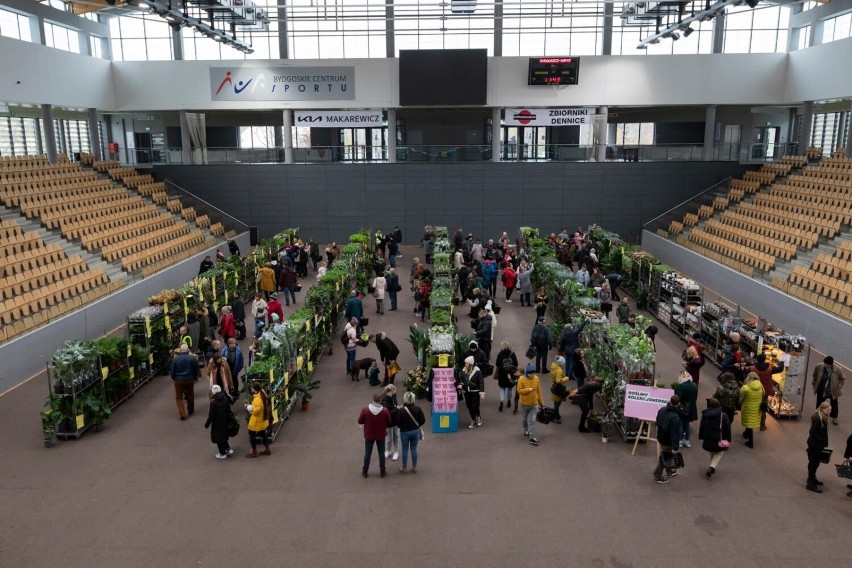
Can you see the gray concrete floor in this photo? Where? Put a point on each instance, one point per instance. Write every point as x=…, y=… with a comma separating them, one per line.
x=148, y=492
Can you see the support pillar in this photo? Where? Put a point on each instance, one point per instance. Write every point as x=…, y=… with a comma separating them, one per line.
x=185, y=140
x=94, y=133
x=607, y=29
x=391, y=134
x=807, y=127
x=599, y=133
x=498, y=28
x=63, y=139
x=390, y=30
x=49, y=133
x=283, y=32
x=278, y=142
x=288, y=136
x=719, y=33
x=709, y=132
x=496, y=151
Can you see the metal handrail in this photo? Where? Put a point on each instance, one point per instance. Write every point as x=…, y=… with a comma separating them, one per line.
x=206, y=208
x=653, y=224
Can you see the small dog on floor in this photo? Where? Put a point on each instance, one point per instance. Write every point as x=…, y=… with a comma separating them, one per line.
x=361, y=365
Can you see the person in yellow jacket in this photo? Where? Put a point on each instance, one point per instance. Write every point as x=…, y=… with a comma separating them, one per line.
x=267, y=280
x=558, y=386
x=260, y=416
x=529, y=393
x=751, y=397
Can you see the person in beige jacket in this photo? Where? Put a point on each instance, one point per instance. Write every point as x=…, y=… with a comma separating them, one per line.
x=828, y=384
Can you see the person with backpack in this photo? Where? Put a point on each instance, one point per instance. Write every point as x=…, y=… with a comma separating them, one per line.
x=669, y=434
x=392, y=288
x=505, y=366
x=688, y=393
x=728, y=394
x=260, y=417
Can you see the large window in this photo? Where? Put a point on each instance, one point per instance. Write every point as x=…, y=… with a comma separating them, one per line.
x=61, y=37
x=552, y=28
x=433, y=25
x=827, y=130
x=14, y=25
x=839, y=27
x=634, y=134
x=626, y=38
x=756, y=30
x=330, y=29
x=257, y=137
x=200, y=47
x=18, y=136
x=76, y=136
x=96, y=47
x=141, y=38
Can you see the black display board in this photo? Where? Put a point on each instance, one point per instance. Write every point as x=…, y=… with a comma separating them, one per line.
x=443, y=77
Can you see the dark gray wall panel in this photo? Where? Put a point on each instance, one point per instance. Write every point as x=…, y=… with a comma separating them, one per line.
x=330, y=201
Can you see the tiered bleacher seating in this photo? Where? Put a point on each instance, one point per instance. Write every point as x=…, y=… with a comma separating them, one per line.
x=104, y=217
x=39, y=282
x=827, y=283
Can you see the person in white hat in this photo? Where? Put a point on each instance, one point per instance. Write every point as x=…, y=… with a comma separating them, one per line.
x=219, y=416
x=473, y=385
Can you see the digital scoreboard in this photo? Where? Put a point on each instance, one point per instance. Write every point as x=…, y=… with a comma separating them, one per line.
x=554, y=70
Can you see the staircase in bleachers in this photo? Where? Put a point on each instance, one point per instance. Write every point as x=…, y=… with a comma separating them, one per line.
x=69, y=236
x=787, y=223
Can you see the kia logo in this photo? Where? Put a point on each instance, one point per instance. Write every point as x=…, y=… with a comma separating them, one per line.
x=309, y=119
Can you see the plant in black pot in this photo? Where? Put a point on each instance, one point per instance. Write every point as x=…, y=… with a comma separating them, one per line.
x=304, y=385
x=93, y=405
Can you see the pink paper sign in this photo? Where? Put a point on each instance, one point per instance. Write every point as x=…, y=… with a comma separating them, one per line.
x=644, y=402
x=444, y=397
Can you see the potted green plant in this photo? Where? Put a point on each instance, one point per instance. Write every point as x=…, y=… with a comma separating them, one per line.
x=50, y=419
x=94, y=406
x=304, y=385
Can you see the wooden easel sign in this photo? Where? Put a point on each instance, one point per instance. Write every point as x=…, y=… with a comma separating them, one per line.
x=643, y=403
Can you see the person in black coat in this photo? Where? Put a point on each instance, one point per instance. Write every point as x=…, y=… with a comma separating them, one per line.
x=585, y=396
x=388, y=352
x=474, y=388
x=542, y=339
x=817, y=442
x=569, y=342
x=505, y=366
x=238, y=310
x=847, y=455
x=483, y=333
x=213, y=321
x=714, y=427
x=218, y=419
x=409, y=419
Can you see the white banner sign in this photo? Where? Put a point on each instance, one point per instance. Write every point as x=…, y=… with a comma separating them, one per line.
x=338, y=118
x=548, y=116
x=282, y=83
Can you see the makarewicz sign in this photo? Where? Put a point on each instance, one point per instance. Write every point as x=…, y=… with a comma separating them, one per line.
x=338, y=118
x=282, y=83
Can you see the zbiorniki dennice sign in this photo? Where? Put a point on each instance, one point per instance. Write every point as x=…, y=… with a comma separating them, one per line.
x=282, y=83
x=338, y=118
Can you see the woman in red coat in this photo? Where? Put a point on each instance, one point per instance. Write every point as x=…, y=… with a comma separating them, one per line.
x=509, y=278
x=227, y=326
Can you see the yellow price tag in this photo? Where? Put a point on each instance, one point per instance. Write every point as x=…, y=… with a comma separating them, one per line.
x=216, y=305
x=310, y=367
x=151, y=359
x=317, y=319
x=168, y=322
x=148, y=327
x=300, y=361
x=129, y=350
x=274, y=415
x=337, y=286
x=308, y=324
x=213, y=286
x=81, y=421
x=185, y=310
x=443, y=360
x=271, y=376
x=200, y=293
x=226, y=295
x=444, y=421
x=286, y=390
x=132, y=373
x=104, y=372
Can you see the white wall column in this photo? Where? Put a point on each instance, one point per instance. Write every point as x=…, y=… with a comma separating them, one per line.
x=600, y=133
x=185, y=140
x=49, y=133
x=391, y=135
x=496, y=128
x=288, y=136
x=94, y=133
x=709, y=132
